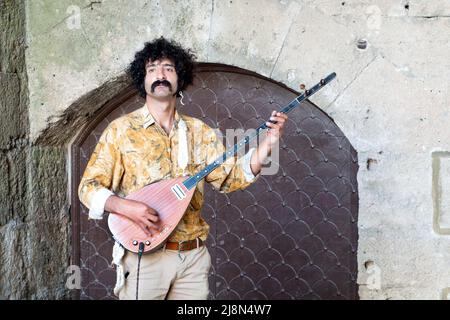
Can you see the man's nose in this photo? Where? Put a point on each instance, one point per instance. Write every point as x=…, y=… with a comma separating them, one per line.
x=160, y=74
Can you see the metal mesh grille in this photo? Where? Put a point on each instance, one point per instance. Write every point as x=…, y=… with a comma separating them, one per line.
x=292, y=235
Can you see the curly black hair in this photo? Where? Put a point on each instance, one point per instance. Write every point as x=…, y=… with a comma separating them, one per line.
x=157, y=49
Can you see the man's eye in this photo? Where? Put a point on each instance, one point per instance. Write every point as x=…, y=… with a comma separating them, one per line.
x=170, y=69
x=151, y=70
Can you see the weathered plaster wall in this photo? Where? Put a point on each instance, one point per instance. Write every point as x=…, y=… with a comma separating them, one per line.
x=391, y=98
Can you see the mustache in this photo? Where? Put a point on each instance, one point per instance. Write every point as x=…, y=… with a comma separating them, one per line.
x=161, y=82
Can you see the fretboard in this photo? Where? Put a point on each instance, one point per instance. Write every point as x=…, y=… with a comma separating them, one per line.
x=197, y=177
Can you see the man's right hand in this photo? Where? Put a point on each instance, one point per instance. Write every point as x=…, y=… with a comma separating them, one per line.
x=144, y=216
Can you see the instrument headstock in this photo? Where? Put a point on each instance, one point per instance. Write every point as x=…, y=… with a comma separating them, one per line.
x=320, y=84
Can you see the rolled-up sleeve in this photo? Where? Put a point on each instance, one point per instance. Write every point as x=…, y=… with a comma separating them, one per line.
x=102, y=174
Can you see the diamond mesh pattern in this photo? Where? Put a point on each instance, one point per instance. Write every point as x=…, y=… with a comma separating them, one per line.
x=292, y=235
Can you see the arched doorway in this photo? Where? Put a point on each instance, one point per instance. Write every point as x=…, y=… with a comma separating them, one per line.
x=292, y=235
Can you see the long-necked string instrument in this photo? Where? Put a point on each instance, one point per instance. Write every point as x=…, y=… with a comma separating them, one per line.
x=170, y=198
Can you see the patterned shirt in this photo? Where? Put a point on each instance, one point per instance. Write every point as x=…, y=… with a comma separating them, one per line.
x=134, y=151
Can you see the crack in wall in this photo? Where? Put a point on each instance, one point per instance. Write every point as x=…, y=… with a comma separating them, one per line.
x=282, y=46
x=431, y=17
x=210, y=30
x=69, y=16
x=353, y=80
x=91, y=5
x=86, y=38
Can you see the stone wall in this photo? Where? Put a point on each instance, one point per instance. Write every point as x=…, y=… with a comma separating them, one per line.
x=34, y=216
x=14, y=149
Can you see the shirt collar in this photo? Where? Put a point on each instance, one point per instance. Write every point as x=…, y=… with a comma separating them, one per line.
x=148, y=119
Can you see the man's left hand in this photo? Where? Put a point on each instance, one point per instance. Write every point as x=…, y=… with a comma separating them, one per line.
x=276, y=129
x=273, y=136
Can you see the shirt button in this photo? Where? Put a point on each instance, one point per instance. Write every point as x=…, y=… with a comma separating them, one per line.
x=168, y=149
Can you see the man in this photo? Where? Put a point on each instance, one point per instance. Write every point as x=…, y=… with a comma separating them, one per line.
x=154, y=143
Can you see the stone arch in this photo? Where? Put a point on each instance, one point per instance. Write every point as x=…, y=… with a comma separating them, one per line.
x=292, y=235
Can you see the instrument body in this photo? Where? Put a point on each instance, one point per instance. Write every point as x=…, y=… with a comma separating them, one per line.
x=170, y=198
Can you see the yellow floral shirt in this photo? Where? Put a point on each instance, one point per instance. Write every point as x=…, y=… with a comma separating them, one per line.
x=135, y=151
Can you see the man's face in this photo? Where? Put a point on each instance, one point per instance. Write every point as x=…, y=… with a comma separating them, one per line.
x=161, y=80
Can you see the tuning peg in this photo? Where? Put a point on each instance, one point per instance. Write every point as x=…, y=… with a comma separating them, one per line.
x=322, y=82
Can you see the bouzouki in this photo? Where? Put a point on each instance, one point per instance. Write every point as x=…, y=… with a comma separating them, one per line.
x=170, y=198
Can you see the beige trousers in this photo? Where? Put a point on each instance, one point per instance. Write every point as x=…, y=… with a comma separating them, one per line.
x=168, y=274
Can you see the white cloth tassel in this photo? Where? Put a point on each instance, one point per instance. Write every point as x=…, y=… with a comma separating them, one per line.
x=183, y=156
x=117, y=254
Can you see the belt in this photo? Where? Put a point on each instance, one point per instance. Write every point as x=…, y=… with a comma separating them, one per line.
x=184, y=245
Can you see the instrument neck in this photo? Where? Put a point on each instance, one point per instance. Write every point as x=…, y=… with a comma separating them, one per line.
x=197, y=177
